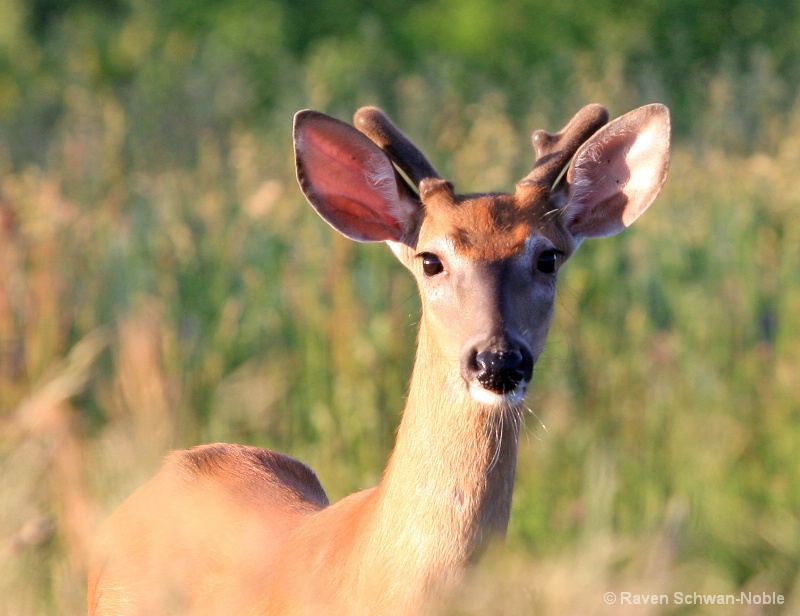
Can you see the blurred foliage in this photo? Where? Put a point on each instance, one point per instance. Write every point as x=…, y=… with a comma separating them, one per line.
x=178, y=67
x=163, y=283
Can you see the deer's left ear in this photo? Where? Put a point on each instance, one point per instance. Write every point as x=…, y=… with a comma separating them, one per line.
x=617, y=173
x=350, y=181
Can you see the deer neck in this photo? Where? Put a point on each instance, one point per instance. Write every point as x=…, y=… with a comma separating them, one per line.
x=448, y=485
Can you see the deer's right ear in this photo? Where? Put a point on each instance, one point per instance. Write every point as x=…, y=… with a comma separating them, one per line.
x=350, y=181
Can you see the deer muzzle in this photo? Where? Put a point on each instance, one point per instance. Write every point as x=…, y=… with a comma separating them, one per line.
x=498, y=372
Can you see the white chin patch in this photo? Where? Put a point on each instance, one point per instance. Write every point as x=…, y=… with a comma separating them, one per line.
x=490, y=398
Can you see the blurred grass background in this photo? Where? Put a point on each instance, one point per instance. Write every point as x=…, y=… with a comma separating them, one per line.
x=163, y=283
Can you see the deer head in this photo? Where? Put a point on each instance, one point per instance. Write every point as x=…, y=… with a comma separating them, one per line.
x=486, y=264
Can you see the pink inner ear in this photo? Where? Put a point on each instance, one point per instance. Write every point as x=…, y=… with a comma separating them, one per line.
x=617, y=174
x=349, y=180
x=598, y=178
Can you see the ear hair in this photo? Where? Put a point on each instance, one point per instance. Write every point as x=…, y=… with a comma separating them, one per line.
x=350, y=181
x=617, y=173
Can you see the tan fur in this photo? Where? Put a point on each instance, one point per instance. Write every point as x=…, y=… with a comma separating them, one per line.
x=226, y=529
x=220, y=532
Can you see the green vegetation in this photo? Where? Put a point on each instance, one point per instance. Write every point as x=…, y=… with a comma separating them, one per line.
x=163, y=283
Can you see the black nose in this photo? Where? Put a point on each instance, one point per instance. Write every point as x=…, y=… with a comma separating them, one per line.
x=501, y=371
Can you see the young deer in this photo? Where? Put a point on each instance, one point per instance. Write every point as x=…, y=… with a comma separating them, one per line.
x=228, y=529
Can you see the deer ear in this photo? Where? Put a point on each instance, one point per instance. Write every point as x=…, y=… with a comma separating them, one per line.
x=617, y=173
x=349, y=180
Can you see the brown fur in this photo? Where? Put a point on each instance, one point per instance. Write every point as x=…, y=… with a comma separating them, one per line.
x=227, y=529
x=494, y=227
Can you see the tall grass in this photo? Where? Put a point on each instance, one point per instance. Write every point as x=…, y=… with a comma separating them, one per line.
x=145, y=307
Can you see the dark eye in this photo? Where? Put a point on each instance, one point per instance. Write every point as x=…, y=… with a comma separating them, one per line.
x=431, y=265
x=548, y=262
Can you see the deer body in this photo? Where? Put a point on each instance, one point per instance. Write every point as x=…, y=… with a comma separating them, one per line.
x=227, y=529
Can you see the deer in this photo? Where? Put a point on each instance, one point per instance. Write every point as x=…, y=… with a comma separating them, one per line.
x=234, y=529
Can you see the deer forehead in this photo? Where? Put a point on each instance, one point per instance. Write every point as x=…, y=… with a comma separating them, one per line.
x=491, y=227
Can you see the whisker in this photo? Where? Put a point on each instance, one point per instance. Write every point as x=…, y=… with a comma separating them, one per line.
x=538, y=419
x=498, y=434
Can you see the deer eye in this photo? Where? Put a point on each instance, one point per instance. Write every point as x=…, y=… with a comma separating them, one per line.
x=431, y=264
x=548, y=261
